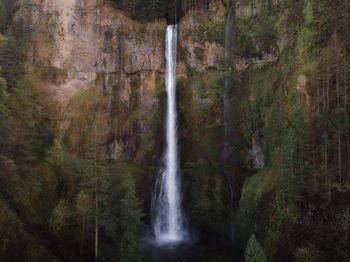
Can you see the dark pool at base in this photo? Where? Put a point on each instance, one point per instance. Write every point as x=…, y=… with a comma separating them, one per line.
x=205, y=247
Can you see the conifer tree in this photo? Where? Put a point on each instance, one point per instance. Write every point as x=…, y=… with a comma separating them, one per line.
x=3, y=107
x=13, y=54
x=122, y=220
x=84, y=207
x=254, y=251
x=95, y=181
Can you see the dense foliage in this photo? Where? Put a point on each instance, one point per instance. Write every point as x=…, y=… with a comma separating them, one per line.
x=47, y=188
x=296, y=109
x=151, y=10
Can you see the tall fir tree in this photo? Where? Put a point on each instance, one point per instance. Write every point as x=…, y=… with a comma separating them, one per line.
x=122, y=220
x=254, y=251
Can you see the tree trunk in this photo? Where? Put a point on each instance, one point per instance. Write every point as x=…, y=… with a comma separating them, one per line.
x=338, y=107
x=323, y=92
x=96, y=194
x=346, y=121
x=82, y=236
x=96, y=228
x=327, y=86
x=347, y=5
x=326, y=165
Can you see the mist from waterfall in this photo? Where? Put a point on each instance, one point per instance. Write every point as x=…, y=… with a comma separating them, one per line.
x=167, y=216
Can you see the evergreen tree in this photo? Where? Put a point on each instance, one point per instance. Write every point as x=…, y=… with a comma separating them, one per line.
x=31, y=122
x=308, y=13
x=130, y=221
x=306, y=40
x=60, y=216
x=84, y=207
x=122, y=220
x=254, y=251
x=295, y=154
x=13, y=54
x=291, y=180
x=3, y=107
x=274, y=129
x=7, y=10
x=55, y=155
x=95, y=181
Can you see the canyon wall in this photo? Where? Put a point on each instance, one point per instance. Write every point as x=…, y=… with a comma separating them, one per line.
x=77, y=45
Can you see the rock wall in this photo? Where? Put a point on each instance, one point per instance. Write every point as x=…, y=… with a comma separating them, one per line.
x=81, y=44
x=75, y=40
x=77, y=45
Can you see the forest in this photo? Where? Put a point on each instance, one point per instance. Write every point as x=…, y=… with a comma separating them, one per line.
x=251, y=163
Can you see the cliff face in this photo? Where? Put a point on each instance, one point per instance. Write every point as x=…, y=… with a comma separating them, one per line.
x=75, y=40
x=78, y=45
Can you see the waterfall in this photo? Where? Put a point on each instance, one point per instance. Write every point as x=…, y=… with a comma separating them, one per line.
x=228, y=152
x=167, y=216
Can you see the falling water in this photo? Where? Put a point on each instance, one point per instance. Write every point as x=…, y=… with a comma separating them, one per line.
x=168, y=221
x=229, y=154
x=228, y=100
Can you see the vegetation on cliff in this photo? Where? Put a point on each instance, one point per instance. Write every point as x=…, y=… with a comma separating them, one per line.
x=75, y=178
x=296, y=109
x=51, y=191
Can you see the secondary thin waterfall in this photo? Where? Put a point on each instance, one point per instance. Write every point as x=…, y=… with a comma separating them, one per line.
x=167, y=215
x=228, y=153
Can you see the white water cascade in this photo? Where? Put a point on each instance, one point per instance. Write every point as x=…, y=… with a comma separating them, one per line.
x=167, y=216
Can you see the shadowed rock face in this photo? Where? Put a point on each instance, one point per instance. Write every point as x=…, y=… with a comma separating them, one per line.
x=171, y=11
